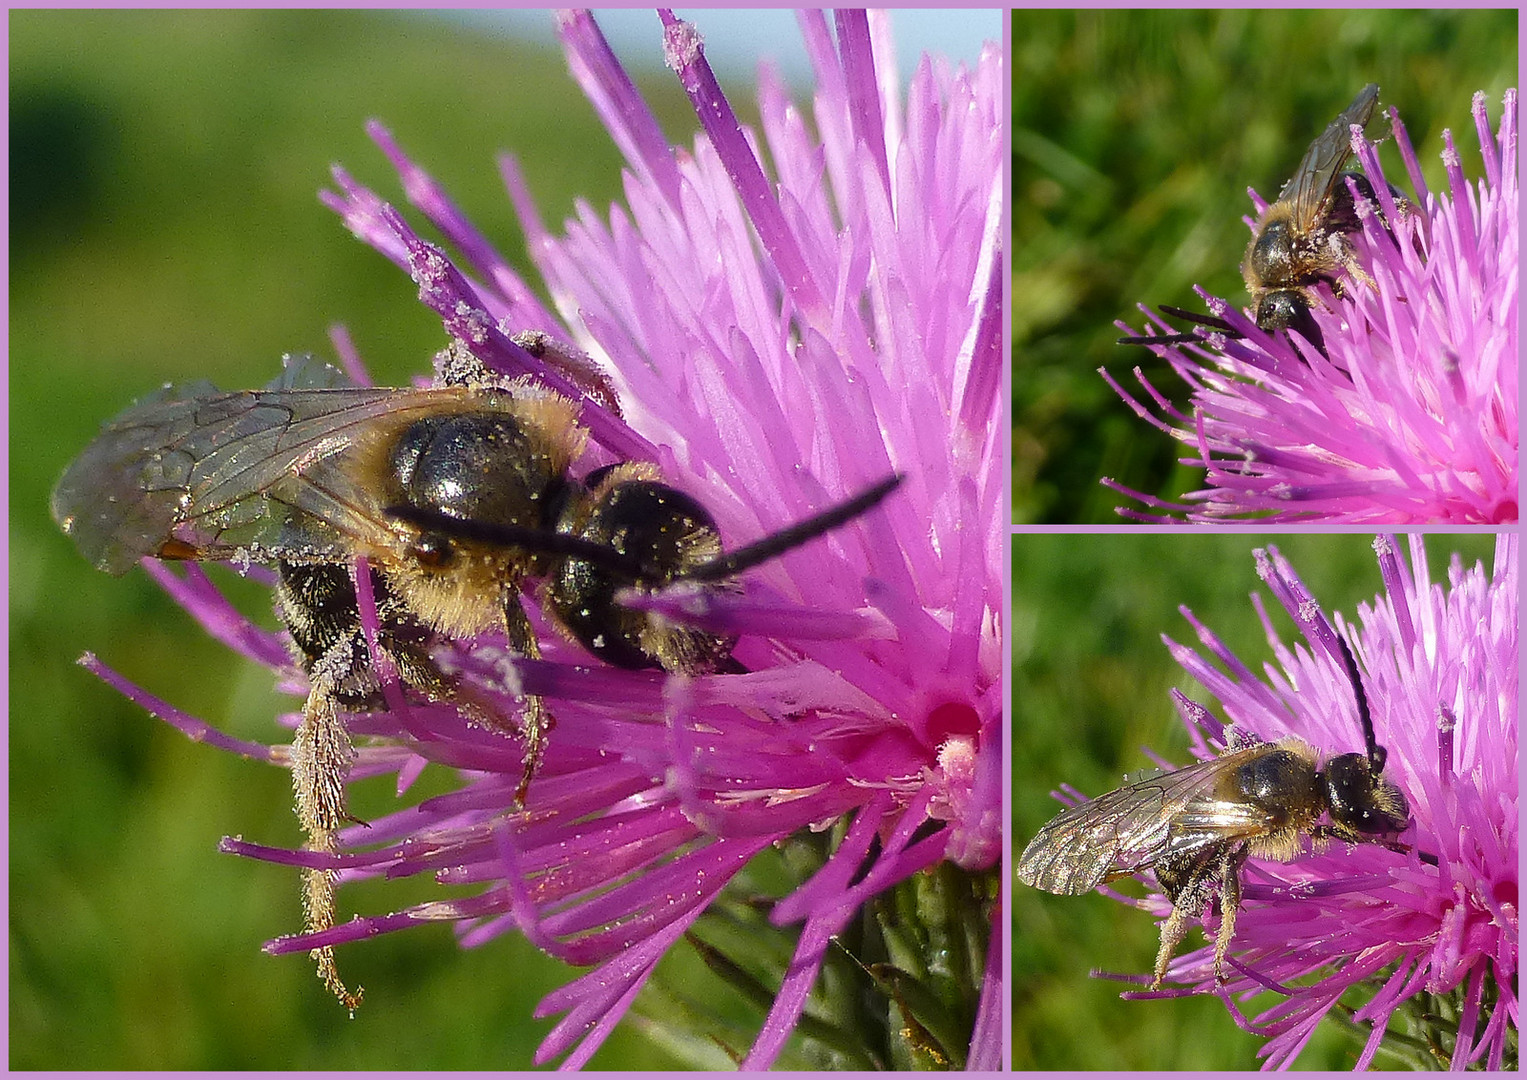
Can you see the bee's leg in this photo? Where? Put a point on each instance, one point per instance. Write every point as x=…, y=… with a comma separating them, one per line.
x=1172, y=932
x=321, y=758
x=1346, y=255
x=1229, y=905
x=582, y=370
x=1356, y=272
x=1187, y=881
x=1322, y=835
x=317, y=604
x=536, y=721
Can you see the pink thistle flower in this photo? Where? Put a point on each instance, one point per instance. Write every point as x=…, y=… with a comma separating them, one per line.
x=1440, y=921
x=1409, y=414
x=776, y=319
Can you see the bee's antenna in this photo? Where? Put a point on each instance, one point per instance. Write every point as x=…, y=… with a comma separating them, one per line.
x=539, y=541
x=1376, y=753
x=1213, y=322
x=759, y=551
x=548, y=542
x=1210, y=322
x=1160, y=339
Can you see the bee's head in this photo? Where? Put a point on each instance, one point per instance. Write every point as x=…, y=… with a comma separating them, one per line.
x=663, y=536
x=1289, y=309
x=1361, y=799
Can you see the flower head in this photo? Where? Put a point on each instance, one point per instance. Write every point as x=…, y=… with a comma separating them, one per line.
x=1406, y=411
x=1436, y=922
x=775, y=320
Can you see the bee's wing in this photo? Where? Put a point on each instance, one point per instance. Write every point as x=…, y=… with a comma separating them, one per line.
x=1311, y=185
x=1130, y=828
x=195, y=474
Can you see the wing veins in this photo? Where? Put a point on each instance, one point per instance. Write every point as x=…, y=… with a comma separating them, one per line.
x=1121, y=831
x=1319, y=170
x=182, y=475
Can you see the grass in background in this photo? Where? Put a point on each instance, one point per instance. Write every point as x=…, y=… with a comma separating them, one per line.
x=1135, y=137
x=165, y=226
x=1090, y=687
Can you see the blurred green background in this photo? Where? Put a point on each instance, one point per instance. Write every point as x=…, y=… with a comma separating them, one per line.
x=1135, y=137
x=165, y=226
x=1090, y=686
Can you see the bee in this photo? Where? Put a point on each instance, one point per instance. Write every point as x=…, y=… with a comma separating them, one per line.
x=457, y=496
x=1302, y=238
x=1195, y=827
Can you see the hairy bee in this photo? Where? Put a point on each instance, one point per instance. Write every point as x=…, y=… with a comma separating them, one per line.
x=1302, y=237
x=1196, y=826
x=457, y=496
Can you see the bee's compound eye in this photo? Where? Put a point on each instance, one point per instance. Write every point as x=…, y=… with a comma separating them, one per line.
x=433, y=551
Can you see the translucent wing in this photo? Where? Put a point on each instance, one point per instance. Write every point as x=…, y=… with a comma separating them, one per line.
x=1131, y=828
x=1311, y=185
x=257, y=474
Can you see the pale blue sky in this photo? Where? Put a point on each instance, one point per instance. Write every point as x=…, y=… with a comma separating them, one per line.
x=735, y=38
